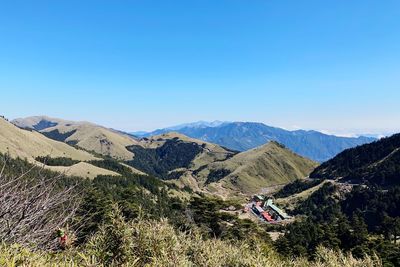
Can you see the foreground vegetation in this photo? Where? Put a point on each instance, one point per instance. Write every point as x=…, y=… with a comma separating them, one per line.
x=132, y=220
x=156, y=243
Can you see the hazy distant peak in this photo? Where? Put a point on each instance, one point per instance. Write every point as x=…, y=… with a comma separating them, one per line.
x=192, y=125
x=198, y=124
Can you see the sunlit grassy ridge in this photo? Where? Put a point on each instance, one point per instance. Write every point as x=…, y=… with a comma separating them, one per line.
x=270, y=164
x=31, y=144
x=86, y=135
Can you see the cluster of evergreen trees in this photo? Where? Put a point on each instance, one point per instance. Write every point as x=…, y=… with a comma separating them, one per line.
x=159, y=161
x=376, y=163
x=364, y=221
x=58, y=161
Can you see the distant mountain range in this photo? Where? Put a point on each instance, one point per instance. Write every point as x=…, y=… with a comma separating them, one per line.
x=242, y=136
x=173, y=157
x=375, y=163
x=193, y=125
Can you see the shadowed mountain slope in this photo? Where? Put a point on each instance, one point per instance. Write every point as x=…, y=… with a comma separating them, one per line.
x=376, y=163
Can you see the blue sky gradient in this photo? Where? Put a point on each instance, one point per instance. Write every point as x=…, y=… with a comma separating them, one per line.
x=138, y=65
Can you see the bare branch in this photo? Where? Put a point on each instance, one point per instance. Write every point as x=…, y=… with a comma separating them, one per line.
x=32, y=209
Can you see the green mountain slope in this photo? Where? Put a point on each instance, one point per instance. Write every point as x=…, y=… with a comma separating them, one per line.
x=250, y=171
x=198, y=164
x=376, y=163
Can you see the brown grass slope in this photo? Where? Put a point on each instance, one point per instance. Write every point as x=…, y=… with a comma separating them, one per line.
x=250, y=171
x=86, y=135
x=29, y=144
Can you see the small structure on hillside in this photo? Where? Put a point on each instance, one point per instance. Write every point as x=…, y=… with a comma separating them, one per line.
x=274, y=210
x=266, y=210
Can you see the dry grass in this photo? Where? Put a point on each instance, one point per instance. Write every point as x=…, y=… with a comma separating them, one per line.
x=27, y=144
x=96, y=138
x=82, y=169
x=260, y=167
x=156, y=243
x=88, y=135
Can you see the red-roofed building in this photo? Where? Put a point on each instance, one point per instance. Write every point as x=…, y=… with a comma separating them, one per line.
x=267, y=217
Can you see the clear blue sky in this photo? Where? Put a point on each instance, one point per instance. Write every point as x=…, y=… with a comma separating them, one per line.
x=137, y=65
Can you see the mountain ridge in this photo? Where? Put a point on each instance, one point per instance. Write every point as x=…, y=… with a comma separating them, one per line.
x=252, y=170
x=243, y=136
x=86, y=135
x=173, y=156
x=30, y=144
x=376, y=163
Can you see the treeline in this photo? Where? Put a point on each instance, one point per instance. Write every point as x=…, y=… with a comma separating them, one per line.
x=15, y=167
x=58, y=161
x=217, y=174
x=112, y=165
x=145, y=197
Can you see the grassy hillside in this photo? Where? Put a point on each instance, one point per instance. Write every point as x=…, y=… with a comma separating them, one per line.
x=82, y=169
x=189, y=162
x=210, y=168
x=86, y=135
x=252, y=170
x=31, y=144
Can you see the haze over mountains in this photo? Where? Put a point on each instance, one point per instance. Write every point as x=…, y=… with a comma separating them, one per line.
x=242, y=136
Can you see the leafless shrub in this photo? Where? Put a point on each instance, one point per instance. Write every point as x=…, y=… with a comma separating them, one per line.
x=33, y=208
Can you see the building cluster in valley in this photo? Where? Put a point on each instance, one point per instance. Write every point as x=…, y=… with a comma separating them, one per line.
x=266, y=210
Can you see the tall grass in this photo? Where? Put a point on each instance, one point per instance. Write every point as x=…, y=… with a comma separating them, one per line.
x=157, y=243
